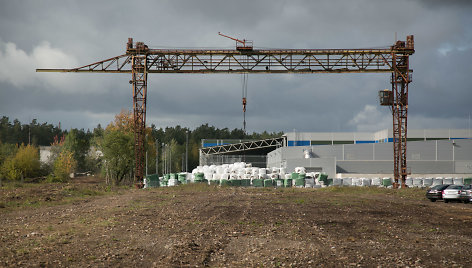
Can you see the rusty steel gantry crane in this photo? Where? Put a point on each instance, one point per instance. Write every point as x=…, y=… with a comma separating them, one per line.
x=139, y=60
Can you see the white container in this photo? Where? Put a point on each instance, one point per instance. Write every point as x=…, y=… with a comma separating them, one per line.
x=427, y=182
x=172, y=182
x=448, y=180
x=376, y=181
x=437, y=181
x=309, y=182
x=409, y=181
x=355, y=182
x=346, y=182
x=337, y=182
x=417, y=182
x=263, y=176
x=458, y=181
x=366, y=182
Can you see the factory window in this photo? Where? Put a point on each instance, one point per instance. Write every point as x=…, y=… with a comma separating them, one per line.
x=343, y=142
x=320, y=142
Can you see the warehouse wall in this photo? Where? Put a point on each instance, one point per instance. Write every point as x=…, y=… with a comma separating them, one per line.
x=434, y=156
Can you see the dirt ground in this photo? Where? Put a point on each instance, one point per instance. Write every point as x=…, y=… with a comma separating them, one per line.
x=86, y=224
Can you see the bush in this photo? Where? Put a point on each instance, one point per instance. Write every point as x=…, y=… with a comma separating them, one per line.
x=64, y=165
x=24, y=164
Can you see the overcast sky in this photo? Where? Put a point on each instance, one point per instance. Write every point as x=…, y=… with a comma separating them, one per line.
x=67, y=34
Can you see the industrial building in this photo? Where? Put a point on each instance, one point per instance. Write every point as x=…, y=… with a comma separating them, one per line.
x=430, y=152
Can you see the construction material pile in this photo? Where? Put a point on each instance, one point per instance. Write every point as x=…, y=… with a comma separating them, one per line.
x=244, y=174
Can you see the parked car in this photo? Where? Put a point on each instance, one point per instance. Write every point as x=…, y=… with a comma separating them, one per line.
x=452, y=192
x=466, y=195
x=435, y=193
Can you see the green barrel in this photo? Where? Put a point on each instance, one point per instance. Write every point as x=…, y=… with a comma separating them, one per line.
x=236, y=183
x=279, y=183
x=268, y=183
x=173, y=176
x=182, y=176
x=330, y=182
x=386, y=182
x=166, y=177
x=257, y=182
x=467, y=181
x=301, y=175
x=323, y=178
x=224, y=182
x=288, y=182
x=214, y=182
x=152, y=180
x=246, y=182
x=294, y=176
x=199, y=177
x=300, y=182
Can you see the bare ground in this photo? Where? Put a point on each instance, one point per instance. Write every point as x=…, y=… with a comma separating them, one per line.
x=85, y=223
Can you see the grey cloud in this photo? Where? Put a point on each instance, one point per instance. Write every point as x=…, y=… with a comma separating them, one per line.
x=90, y=31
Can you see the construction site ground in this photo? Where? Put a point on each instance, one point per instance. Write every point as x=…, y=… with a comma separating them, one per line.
x=85, y=223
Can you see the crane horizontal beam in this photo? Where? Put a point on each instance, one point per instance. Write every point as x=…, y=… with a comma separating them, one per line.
x=256, y=61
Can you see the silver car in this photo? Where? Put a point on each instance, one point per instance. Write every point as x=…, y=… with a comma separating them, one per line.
x=466, y=195
x=453, y=192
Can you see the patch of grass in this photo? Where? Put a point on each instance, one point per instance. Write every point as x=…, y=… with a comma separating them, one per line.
x=80, y=192
x=107, y=222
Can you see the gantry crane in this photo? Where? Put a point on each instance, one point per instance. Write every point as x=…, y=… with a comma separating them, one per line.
x=139, y=60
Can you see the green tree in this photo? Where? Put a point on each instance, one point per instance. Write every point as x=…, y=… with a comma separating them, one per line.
x=78, y=143
x=118, y=153
x=24, y=164
x=7, y=151
x=64, y=165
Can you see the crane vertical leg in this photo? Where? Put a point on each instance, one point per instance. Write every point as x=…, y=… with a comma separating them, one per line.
x=400, y=81
x=139, y=82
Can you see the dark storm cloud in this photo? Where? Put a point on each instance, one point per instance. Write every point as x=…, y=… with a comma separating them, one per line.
x=73, y=33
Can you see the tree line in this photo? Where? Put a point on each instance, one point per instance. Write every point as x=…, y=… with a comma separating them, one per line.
x=108, y=151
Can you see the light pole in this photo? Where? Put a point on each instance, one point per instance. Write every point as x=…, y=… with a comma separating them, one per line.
x=186, y=152
x=164, y=152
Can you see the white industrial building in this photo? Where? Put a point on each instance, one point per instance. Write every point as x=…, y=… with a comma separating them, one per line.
x=430, y=152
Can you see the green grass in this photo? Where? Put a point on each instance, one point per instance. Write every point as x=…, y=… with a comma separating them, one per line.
x=14, y=195
x=81, y=192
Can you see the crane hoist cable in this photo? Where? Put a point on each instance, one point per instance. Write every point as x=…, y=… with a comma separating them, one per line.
x=244, y=96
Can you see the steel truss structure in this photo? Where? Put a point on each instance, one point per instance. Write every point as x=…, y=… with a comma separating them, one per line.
x=244, y=146
x=139, y=60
